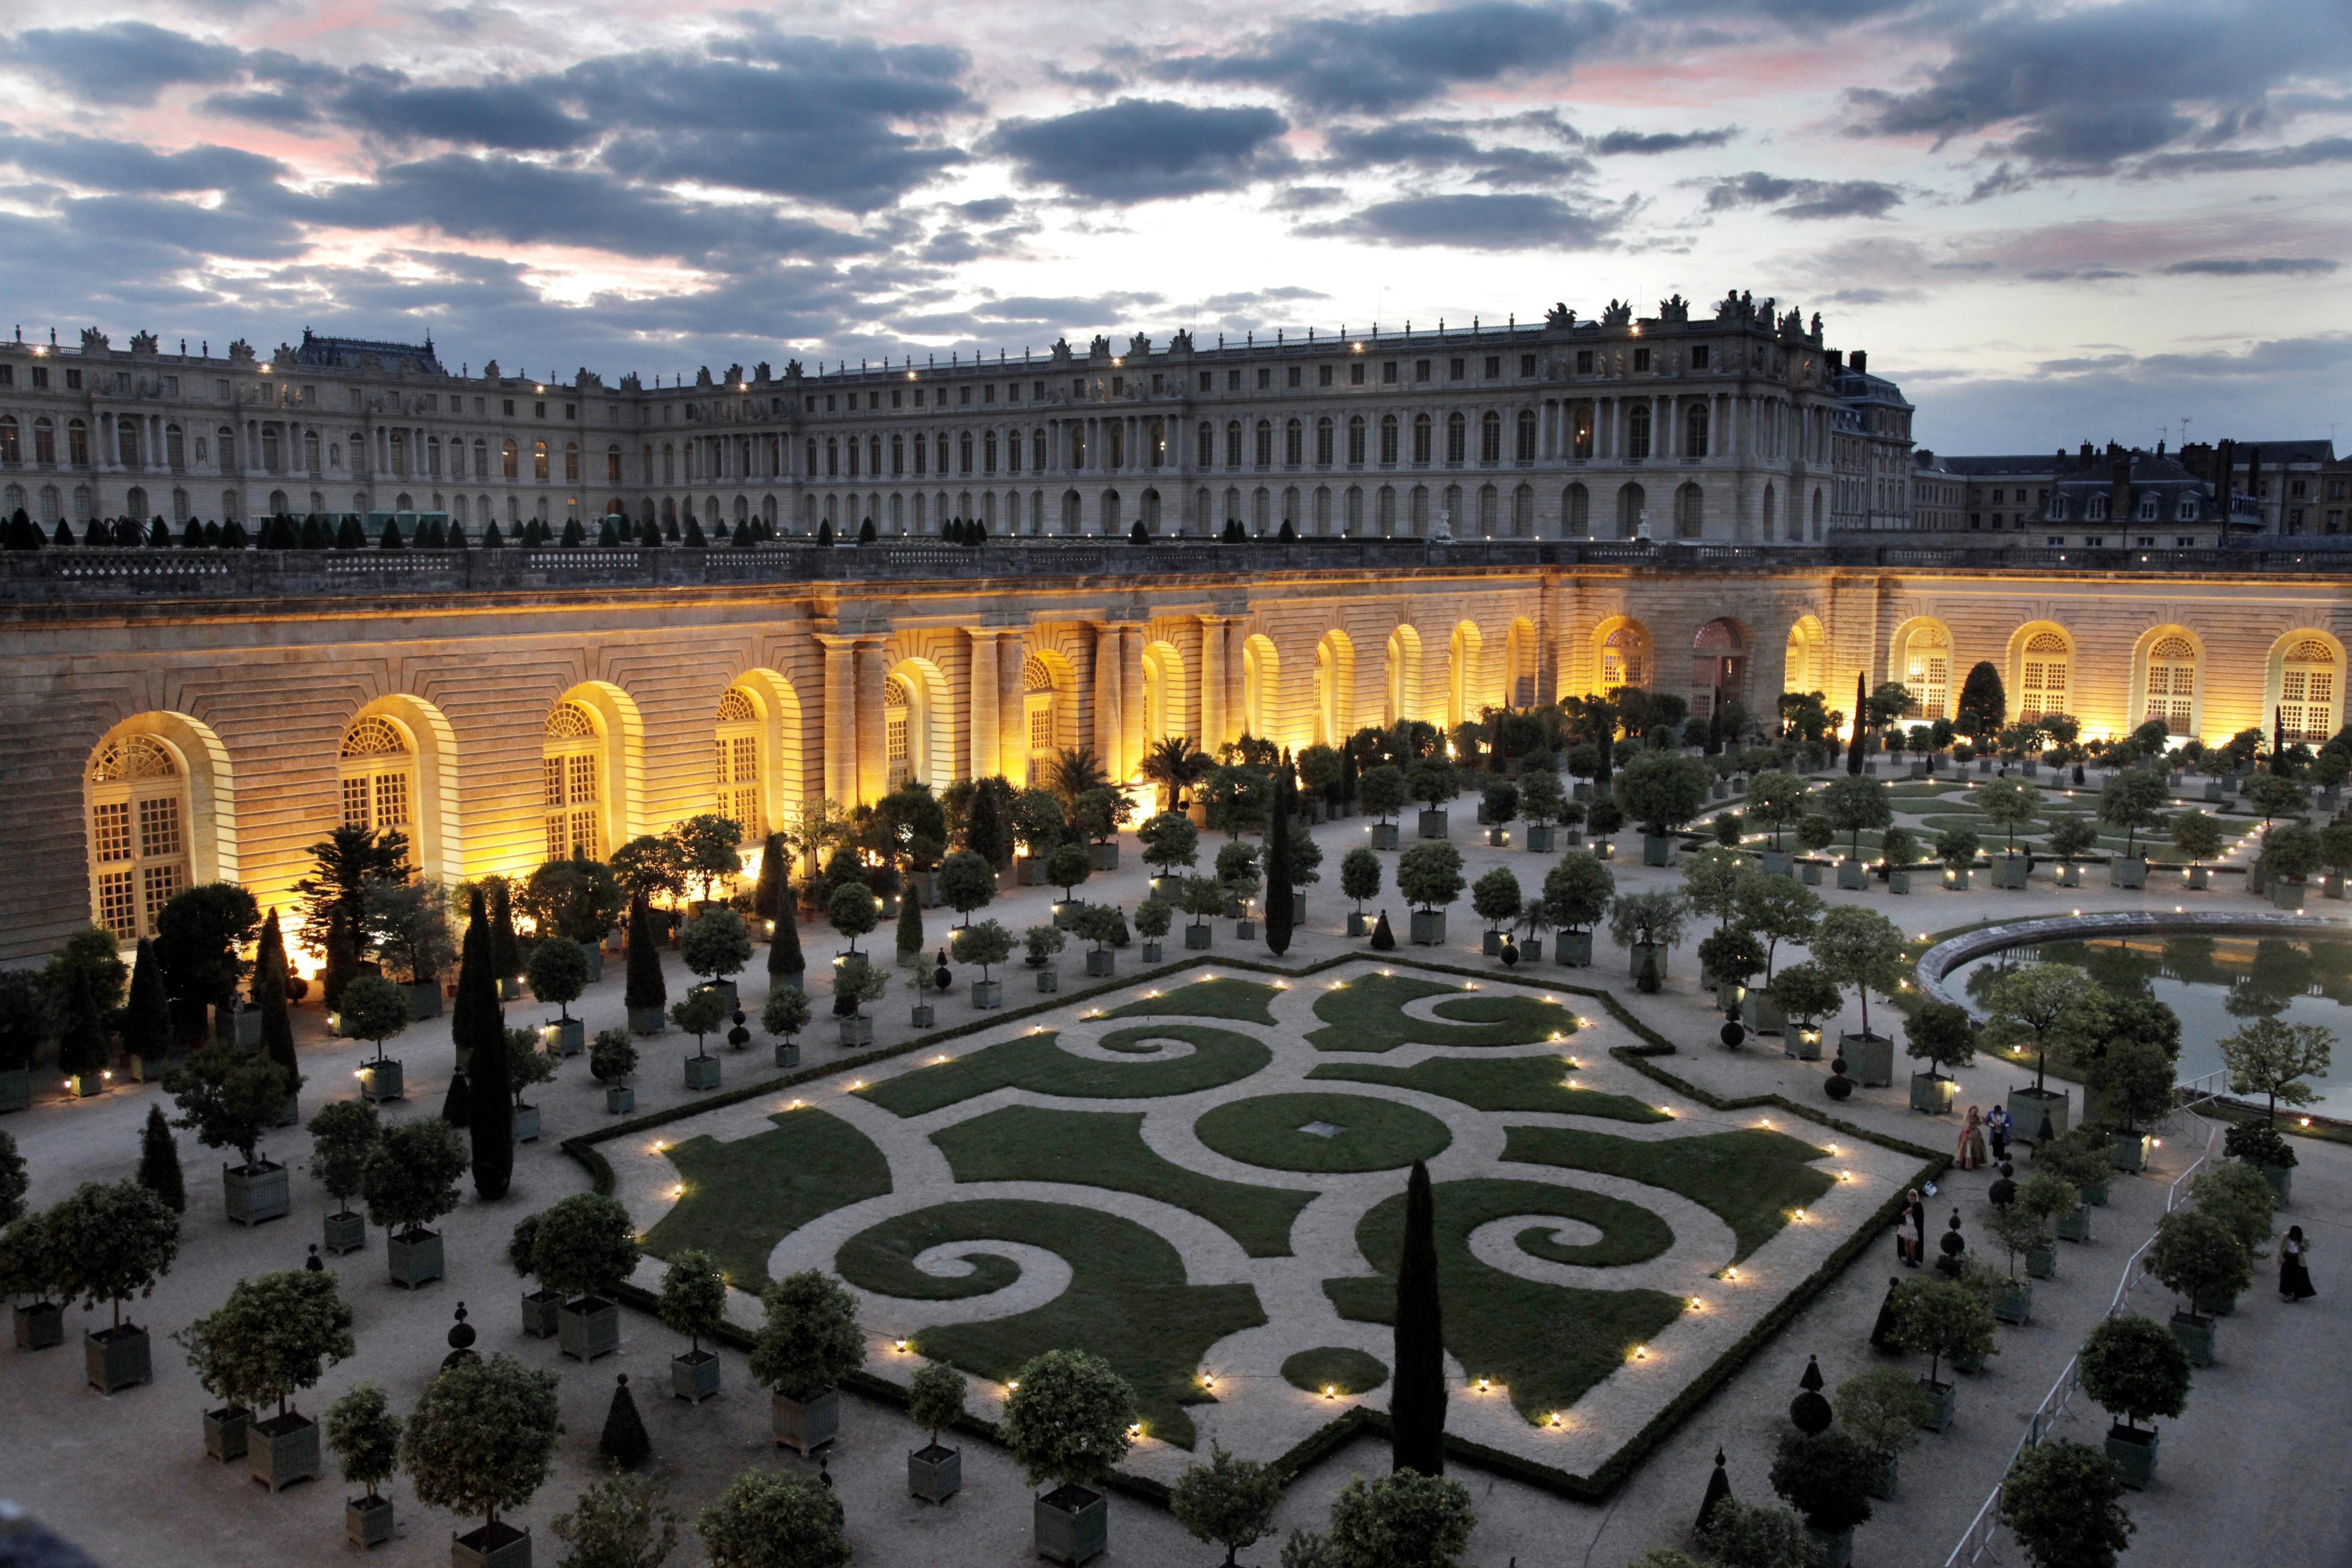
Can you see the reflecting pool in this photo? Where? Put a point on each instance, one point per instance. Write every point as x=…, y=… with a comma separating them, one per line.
x=2216, y=983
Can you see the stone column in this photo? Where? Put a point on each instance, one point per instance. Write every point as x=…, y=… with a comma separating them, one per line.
x=872, y=768
x=1107, y=690
x=838, y=720
x=1132, y=740
x=1213, y=683
x=984, y=703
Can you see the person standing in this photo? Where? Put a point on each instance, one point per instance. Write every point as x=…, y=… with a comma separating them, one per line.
x=2295, y=1275
x=1972, y=1141
x=1882, y=1330
x=1996, y=1129
x=1907, y=1230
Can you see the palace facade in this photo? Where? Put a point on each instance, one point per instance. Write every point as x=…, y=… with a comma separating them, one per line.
x=180, y=715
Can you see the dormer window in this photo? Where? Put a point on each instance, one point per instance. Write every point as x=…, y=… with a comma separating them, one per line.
x=2097, y=510
x=2148, y=512
x=2188, y=509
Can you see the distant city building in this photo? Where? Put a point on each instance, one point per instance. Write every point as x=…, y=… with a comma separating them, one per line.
x=2089, y=499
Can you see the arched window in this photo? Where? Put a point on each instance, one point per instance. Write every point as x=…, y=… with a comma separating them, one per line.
x=1323, y=428
x=1457, y=437
x=1266, y=443
x=539, y=461
x=1622, y=658
x=378, y=767
x=1690, y=512
x=1637, y=431
x=1388, y=440
x=1526, y=451
x=1421, y=431
x=2044, y=689
x=510, y=459
x=572, y=773
x=138, y=833
x=1927, y=672
x=2307, y=692
x=1632, y=503
x=1207, y=443
x=2172, y=683
x=898, y=712
x=735, y=764
x=1695, y=431
x=1490, y=438
x=571, y=462
x=1037, y=714
x=1576, y=513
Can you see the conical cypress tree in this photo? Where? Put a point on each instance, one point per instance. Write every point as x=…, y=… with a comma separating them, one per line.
x=456, y=536
x=623, y=1441
x=1137, y=535
x=81, y=1042
x=743, y=540
x=646, y=988
x=1278, y=907
x=506, y=949
x=1347, y=774
x=457, y=1105
x=608, y=536
x=1854, y=746
x=349, y=534
x=574, y=536
x=477, y=1026
x=771, y=878
x=910, y=927
x=669, y=531
x=650, y=534
x=233, y=535
x=147, y=1016
x=1383, y=939
x=694, y=539
x=269, y=997
x=64, y=534
x=190, y=537
x=491, y=539
x=1718, y=1492
x=159, y=536
x=314, y=533
x=784, y=960
x=824, y=532
x=212, y=534
x=159, y=1161
x=866, y=532
x=1417, y=1403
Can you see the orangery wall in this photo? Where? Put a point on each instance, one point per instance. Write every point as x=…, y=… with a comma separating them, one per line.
x=165, y=725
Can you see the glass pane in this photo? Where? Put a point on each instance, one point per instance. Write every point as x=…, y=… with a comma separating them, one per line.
x=110, y=830
x=159, y=826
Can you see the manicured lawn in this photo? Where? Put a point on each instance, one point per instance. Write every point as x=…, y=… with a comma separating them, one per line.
x=1499, y=1083
x=1244, y=1001
x=1750, y=1177
x=1335, y=1369
x=1367, y=1014
x=1035, y=1062
x=1105, y=1149
x=1128, y=1301
x=743, y=1197
x=1545, y=1344
x=1375, y=1134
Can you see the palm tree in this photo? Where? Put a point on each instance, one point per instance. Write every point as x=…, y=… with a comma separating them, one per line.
x=1076, y=771
x=1175, y=764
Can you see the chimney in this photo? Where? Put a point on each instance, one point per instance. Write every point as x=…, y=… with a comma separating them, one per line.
x=2120, y=486
x=2086, y=455
x=1861, y=362
x=2058, y=463
x=1837, y=360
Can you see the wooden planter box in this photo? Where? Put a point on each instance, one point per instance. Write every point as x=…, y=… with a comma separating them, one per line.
x=2070, y=874
x=620, y=1098
x=526, y=1124
x=923, y=1015
x=1431, y=823
x=1385, y=835
x=1872, y=1057
x=647, y=1021
x=1073, y=1525
x=382, y=1082
x=414, y=1259
x=1106, y=856
x=1657, y=849
x=253, y=1194
x=1802, y=1042
x=2286, y=895
x=285, y=1450
x=2041, y=1262
x=117, y=1358
x=1933, y=1094
x=1243, y=930
x=694, y=1376
x=500, y=1545
x=40, y=1326
x=1853, y=876
x=934, y=1472
x=1809, y=873
x=2128, y=1153
x=1429, y=928
x=563, y=1037
x=2027, y=1107
x=2282, y=1180
x=1152, y=950
x=701, y=1072
x=1763, y=1016
x=2195, y=1336
x=2127, y=872
x=1491, y=943
x=987, y=995
x=1943, y=1404
x=424, y=999
x=588, y=1328
x=539, y=1308
x=2010, y=872
x=1196, y=938
x=345, y=1232
x=225, y=1432
x=1572, y=948
x=1956, y=879
x=2134, y=1453
x=16, y=1090
x=2076, y=1224
x=1049, y=982
x=856, y=1031
x=1776, y=863
x=1540, y=837
x=805, y=1428
x=367, y=1521
x=1102, y=963
x=788, y=1053
x=2012, y=1301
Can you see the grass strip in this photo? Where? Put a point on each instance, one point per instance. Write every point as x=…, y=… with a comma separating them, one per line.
x=1037, y=1063
x=1751, y=1178
x=1244, y=1001
x=1498, y=1083
x=744, y=1196
x=1105, y=1149
x=1127, y=1302
x=1368, y=1014
x=1374, y=1134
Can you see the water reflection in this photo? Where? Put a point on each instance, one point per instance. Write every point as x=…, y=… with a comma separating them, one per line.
x=2214, y=982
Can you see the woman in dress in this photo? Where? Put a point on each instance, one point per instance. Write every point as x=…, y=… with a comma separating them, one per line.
x=2294, y=1277
x=1972, y=1141
x=1907, y=1229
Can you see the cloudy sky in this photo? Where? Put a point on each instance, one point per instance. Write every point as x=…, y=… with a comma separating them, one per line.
x=2049, y=222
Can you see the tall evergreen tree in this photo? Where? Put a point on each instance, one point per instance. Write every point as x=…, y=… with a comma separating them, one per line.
x=623, y=1441
x=1860, y=718
x=644, y=987
x=774, y=877
x=1278, y=907
x=1983, y=706
x=506, y=950
x=1417, y=1404
x=910, y=926
x=270, y=999
x=81, y=1039
x=477, y=1025
x=147, y=1017
x=784, y=960
x=159, y=1161
x=983, y=832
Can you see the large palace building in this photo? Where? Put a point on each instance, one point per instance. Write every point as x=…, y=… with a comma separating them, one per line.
x=1497, y=516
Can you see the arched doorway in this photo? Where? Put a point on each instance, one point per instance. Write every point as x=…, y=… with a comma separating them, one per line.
x=1922, y=661
x=1402, y=674
x=1261, y=682
x=1622, y=650
x=1718, y=666
x=1463, y=689
x=1335, y=685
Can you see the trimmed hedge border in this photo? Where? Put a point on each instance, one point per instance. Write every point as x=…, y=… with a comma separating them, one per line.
x=1357, y=1420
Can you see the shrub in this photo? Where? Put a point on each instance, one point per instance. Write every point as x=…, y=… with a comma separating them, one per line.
x=2195, y=1256
x=1495, y=898
x=1941, y=1035
x=1430, y=874
x=1745, y=1535
x=1941, y=1318
x=1068, y=1422
x=1228, y=1500
x=1576, y=891
x=276, y=1335
x=342, y=1136
x=1402, y=1521
x=2060, y=1501
x=109, y=1243
x=228, y=1096
x=767, y=1520
x=808, y=1341
x=482, y=1437
x=967, y=882
x=1153, y=917
x=1804, y=992
x=986, y=944
x=410, y=1178
x=621, y=1521
x=558, y=971
x=934, y=1397
x=2237, y=1194
x=1883, y=1408
x=373, y=1008
x=613, y=1056
x=693, y=1296
x=1383, y=792
x=1169, y=840
x=586, y=1246
x=364, y=1434
x=2136, y=1368
x=1825, y=1476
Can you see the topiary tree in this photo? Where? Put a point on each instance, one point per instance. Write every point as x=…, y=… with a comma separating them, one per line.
x=1983, y=705
x=1854, y=804
x=693, y=1296
x=2045, y=1008
x=2136, y=1369
x=1043, y=942
x=482, y=1439
x=1731, y=955
x=1662, y=790
x=2071, y=838
x=709, y=849
x=1776, y=799
x=342, y=1136
x=585, y=1246
x=1153, y=917
x=580, y=899
x=1383, y=792
x=1863, y=949
x=700, y=1015
x=1360, y=877
x=374, y=1009
x=1228, y=1500
x=275, y=1336
x=2061, y=1502
x=1956, y=847
x=621, y=1521
x=228, y=1096
x=646, y=991
x=109, y=1242
x=159, y=1168
x=967, y=882
x=1941, y=1035
x=2133, y=800
x=767, y=1520
x=1067, y=1421
x=1941, y=1318
x=2235, y=1193
x=1712, y=878
x=410, y=1178
x=987, y=943
x=1495, y=898
x=1805, y=993
x=364, y=1434
x=853, y=911
x=1825, y=1476
x=1430, y=874
x=808, y=1341
x=910, y=939
x=2009, y=805
x=558, y=971
x=1169, y=840
x=2271, y=1058
x=2196, y=1257
x=613, y=1056
x=1883, y=1409
x=1576, y=891
x=1067, y=865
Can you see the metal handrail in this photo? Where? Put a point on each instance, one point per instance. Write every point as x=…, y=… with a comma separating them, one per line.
x=2196, y=1092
